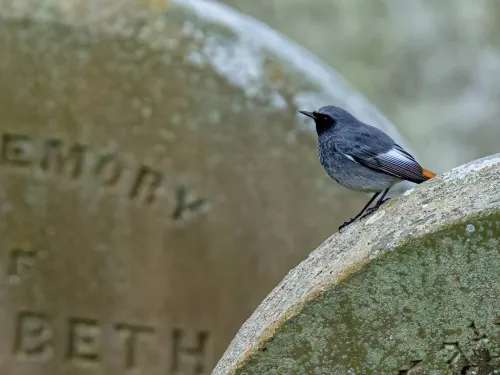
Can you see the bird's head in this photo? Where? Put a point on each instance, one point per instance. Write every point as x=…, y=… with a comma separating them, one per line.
x=326, y=118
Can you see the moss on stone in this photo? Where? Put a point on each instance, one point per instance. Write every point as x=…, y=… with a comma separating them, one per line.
x=429, y=299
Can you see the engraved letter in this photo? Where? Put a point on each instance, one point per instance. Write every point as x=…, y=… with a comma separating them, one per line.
x=53, y=155
x=15, y=148
x=186, y=204
x=455, y=357
x=109, y=169
x=454, y=352
x=33, y=336
x=84, y=340
x=184, y=357
x=130, y=334
x=21, y=262
x=148, y=180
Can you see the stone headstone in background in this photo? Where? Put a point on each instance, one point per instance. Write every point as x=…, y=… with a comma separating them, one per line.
x=412, y=289
x=155, y=181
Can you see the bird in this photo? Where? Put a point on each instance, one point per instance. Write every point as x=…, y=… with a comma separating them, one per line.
x=362, y=157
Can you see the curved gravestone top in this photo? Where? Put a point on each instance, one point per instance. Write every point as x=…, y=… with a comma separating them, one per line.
x=245, y=53
x=156, y=180
x=411, y=289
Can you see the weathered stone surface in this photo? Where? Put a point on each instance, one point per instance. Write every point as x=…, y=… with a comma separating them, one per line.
x=155, y=180
x=413, y=289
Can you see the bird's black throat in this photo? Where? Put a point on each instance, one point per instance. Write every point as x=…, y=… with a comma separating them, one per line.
x=323, y=126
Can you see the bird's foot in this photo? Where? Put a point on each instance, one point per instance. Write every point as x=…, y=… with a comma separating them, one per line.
x=346, y=224
x=374, y=208
x=367, y=213
x=370, y=211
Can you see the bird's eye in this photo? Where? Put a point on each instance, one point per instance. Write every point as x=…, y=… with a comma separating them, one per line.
x=327, y=118
x=324, y=119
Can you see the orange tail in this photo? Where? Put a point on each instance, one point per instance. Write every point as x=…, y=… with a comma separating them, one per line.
x=427, y=173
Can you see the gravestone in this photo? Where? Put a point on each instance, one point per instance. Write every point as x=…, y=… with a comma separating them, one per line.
x=155, y=180
x=412, y=289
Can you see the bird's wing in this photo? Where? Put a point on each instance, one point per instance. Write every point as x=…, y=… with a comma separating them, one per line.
x=390, y=159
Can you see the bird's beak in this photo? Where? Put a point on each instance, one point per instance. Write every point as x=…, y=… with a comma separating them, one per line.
x=308, y=114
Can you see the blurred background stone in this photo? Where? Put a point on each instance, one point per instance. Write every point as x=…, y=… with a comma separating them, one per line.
x=432, y=67
x=157, y=181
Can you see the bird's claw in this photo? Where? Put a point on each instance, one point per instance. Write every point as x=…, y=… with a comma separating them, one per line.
x=367, y=213
x=385, y=200
x=370, y=211
x=374, y=208
x=346, y=224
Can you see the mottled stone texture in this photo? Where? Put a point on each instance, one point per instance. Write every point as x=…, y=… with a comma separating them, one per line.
x=156, y=180
x=412, y=289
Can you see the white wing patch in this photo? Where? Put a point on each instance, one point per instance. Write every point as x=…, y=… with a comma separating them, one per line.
x=350, y=158
x=396, y=162
x=398, y=157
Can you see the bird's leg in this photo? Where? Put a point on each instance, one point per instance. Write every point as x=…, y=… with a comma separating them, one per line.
x=381, y=200
x=379, y=203
x=361, y=213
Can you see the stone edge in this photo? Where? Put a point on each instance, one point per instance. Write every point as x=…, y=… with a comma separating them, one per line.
x=329, y=264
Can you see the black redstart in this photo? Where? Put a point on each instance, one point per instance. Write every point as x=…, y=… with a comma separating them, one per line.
x=362, y=157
